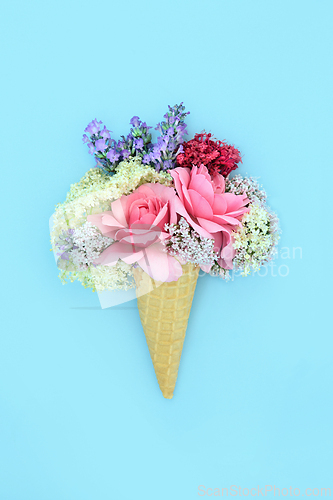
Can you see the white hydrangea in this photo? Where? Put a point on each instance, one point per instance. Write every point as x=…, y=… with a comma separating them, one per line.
x=255, y=242
x=91, y=195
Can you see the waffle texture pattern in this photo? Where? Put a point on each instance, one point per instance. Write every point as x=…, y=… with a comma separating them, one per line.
x=164, y=310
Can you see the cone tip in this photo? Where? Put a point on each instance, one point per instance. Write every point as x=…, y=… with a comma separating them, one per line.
x=168, y=395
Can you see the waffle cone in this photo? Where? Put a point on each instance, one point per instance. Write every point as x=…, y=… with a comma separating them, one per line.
x=164, y=310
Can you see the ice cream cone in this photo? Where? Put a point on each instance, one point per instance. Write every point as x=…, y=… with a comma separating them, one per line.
x=164, y=310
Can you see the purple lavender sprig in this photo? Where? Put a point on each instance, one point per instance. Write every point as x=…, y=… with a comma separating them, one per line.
x=138, y=143
x=163, y=154
x=108, y=152
x=101, y=145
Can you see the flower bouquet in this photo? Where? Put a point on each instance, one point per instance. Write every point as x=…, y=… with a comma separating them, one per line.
x=150, y=215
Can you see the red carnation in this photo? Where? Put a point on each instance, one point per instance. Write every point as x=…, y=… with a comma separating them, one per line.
x=218, y=156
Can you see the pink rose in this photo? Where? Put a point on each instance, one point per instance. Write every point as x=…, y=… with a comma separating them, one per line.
x=137, y=223
x=208, y=209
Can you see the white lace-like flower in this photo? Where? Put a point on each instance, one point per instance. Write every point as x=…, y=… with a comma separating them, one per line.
x=249, y=185
x=189, y=245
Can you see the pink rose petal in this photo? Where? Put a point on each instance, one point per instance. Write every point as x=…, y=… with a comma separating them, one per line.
x=160, y=265
x=200, y=184
x=201, y=207
x=220, y=205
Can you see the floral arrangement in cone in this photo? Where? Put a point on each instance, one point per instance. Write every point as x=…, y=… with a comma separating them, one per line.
x=149, y=215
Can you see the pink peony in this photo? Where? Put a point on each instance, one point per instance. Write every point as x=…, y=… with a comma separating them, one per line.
x=208, y=209
x=137, y=223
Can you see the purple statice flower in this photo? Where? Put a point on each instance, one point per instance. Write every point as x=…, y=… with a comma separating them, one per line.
x=171, y=145
x=138, y=143
x=113, y=155
x=92, y=149
x=181, y=131
x=125, y=143
x=101, y=145
x=146, y=159
x=85, y=139
x=162, y=143
x=145, y=126
x=105, y=133
x=135, y=121
x=125, y=154
x=180, y=149
x=94, y=127
x=167, y=164
x=121, y=145
x=155, y=154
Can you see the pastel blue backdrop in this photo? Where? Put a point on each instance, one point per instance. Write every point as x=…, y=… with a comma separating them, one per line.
x=81, y=415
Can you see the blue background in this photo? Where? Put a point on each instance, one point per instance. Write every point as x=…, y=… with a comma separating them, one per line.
x=81, y=415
